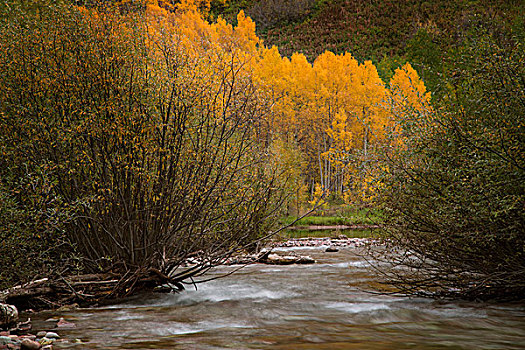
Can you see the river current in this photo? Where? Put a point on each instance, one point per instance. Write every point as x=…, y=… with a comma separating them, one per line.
x=326, y=305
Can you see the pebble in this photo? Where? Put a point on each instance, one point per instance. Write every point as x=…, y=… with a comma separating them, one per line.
x=46, y=341
x=4, y=340
x=318, y=242
x=28, y=344
x=43, y=340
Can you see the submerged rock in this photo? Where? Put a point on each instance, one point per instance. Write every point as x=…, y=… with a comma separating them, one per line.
x=331, y=249
x=66, y=308
x=62, y=323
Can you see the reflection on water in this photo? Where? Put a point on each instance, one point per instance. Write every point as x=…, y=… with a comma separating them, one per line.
x=321, y=306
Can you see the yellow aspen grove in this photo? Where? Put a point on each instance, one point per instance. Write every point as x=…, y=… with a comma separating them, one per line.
x=408, y=90
x=336, y=109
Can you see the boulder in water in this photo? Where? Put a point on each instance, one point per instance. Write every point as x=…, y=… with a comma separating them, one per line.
x=62, y=323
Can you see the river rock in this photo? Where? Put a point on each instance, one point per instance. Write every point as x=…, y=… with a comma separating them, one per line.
x=241, y=260
x=28, y=344
x=331, y=249
x=28, y=336
x=305, y=259
x=66, y=308
x=52, y=335
x=46, y=341
x=276, y=259
x=41, y=334
x=4, y=340
x=280, y=259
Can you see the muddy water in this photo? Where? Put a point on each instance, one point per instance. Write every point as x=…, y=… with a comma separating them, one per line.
x=321, y=306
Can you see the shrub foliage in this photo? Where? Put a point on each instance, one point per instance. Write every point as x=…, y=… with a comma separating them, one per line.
x=455, y=192
x=143, y=126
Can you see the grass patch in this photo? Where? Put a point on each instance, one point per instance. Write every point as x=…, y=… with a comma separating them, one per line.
x=344, y=216
x=365, y=233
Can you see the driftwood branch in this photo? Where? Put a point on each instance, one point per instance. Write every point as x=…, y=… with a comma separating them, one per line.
x=86, y=290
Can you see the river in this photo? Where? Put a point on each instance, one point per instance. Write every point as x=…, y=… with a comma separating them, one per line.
x=321, y=306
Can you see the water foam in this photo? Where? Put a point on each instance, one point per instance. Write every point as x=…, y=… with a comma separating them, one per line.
x=354, y=308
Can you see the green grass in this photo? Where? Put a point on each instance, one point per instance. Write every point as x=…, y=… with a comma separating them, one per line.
x=341, y=216
x=365, y=233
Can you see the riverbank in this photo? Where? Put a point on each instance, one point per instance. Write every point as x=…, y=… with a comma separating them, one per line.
x=43, y=340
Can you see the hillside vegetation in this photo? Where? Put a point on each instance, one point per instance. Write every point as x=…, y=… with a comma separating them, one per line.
x=387, y=32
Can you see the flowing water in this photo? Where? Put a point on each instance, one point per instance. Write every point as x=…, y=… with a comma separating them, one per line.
x=320, y=306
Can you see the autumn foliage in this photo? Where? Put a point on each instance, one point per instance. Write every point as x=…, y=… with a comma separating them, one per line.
x=337, y=111
x=146, y=134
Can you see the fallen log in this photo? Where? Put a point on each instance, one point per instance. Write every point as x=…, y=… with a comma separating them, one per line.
x=84, y=290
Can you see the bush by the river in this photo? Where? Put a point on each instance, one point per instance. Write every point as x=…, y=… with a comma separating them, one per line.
x=134, y=132
x=455, y=191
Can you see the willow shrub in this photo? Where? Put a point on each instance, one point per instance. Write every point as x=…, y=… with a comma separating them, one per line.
x=455, y=190
x=148, y=140
x=19, y=251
